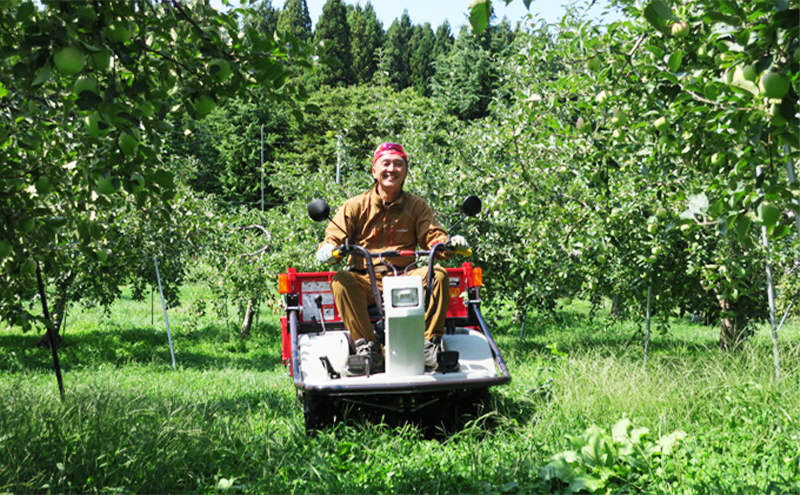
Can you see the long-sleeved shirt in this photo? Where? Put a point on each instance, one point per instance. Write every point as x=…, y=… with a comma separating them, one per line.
x=403, y=224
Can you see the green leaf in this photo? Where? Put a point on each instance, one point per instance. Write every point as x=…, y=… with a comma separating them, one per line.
x=42, y=75
x=480, y=12
x=657, y=14
x=674, y=60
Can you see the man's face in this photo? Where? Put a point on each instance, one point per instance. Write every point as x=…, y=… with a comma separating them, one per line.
x=390, y=171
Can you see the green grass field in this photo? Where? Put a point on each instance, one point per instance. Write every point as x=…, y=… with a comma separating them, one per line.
x=227, y=418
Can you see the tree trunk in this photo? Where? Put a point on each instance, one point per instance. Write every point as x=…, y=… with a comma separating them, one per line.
x=616, y=306
x=249, y=312
x=734, y=329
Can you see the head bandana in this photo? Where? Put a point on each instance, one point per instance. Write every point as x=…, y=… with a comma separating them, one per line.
x=389, y=149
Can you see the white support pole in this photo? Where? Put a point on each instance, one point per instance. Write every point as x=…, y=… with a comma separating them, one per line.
x=770, y=296
x=166, y=320
x=339, y=159
x=262, y=170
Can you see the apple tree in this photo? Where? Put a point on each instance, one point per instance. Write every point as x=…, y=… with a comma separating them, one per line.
x=89, y=97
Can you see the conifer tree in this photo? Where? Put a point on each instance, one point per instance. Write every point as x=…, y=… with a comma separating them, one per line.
x=444, y=40
x=264, y=17
x=333, y=32
x=295, y=19
x=421, y=64
x=396, y=52
x=366, y=37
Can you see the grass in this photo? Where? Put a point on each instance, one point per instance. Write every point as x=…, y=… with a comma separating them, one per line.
x=227, y=419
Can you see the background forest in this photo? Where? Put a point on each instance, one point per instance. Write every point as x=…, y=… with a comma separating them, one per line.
x=644, y=165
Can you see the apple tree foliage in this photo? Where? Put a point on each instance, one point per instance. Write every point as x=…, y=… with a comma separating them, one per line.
x=90, y=96
x=659, y=144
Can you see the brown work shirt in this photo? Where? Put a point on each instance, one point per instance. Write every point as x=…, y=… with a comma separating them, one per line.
x=369, y=222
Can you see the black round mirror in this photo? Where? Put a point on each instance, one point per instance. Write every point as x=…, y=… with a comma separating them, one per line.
x=471, y=206
x=319, y=210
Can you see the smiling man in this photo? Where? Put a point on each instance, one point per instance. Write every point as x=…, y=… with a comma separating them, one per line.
x=385, y=218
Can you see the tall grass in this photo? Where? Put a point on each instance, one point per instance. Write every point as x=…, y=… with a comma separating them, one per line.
x=228, y=419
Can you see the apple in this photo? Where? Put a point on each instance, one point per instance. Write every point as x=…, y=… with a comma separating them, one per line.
x=774, y=112
x=602, y=96
x=652, y=228
x=595, y=64
x=661, y=212
x=749, y=72
x=119, y=31
x=680, y=29
x=661, y=123
x=583, y=126
x=768, y=214
x=773, y=85
x=69, y=60
x=85, y=83
x=219, y=69
x=5, y=250
x=27, y=225
x=102, y=60
x=619, y=118
x=43, y=185
x=601, y=259
x=204, y=105
x=718, y=159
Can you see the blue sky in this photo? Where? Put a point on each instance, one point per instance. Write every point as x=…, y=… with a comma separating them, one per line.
x=455, y=11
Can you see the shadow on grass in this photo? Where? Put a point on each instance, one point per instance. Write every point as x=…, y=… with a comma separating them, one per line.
x=209, y=347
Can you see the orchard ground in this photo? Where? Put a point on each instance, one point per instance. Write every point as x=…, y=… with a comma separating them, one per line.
x=227, y=418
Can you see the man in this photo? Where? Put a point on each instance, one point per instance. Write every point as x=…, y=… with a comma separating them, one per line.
x=386, y=218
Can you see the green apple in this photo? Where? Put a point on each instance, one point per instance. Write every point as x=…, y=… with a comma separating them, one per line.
x=774, y=112
x=119, y=31
x=85, y=83
x=69, y=60
x=43, y=185
x=619, y=118
x=680, y=29
x=583, y=126
x=102, y=60
x=661, y=123
x=602, y=96
x=768, y=214
x=204, y=105
x=219, y=69
x=749, y=72
x=661, y=212
x=595, y=63
x=27, y=225
x=773, y=85
x=601, y=259
x=5, y=250
x=718, y=159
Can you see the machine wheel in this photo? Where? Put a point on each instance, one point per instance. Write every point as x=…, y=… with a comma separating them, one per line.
x=319, y=412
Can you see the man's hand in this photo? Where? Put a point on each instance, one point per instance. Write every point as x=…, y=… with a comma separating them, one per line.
x=325, y=254
x=459, y=245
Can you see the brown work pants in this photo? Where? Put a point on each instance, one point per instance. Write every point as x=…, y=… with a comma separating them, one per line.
x=352, y=293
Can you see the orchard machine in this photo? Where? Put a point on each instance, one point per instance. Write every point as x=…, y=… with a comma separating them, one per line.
x=316, y=346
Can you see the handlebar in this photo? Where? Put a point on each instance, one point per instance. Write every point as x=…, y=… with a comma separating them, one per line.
x=346, y=249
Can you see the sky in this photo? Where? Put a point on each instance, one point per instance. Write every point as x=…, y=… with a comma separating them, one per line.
x=455, y=11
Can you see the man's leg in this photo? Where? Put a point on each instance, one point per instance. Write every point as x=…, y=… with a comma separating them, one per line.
x=353, y=295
